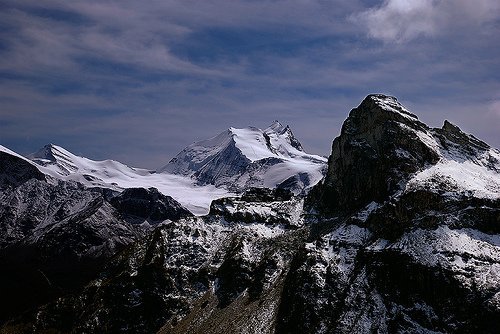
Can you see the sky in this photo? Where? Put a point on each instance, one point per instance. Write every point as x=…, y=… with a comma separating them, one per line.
x=137, y=81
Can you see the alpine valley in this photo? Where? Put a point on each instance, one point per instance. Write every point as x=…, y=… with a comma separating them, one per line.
x=398, y=231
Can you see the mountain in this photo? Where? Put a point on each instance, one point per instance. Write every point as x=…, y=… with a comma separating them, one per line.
x=55, y=235
x=384, y=151
x=231, y=162
x=59, y=163
x=416, y=215
x=238, y=159
x=402, y=235
x=207, y=261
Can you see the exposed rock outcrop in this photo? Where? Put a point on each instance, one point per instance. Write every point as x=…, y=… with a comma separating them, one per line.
x=380, y=145
x=148, y=205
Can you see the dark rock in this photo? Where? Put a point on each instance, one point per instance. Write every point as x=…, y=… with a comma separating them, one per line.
x=139, y=205
x=266, y=195
x=14, y=171
x=377, y=150
x=260, y=205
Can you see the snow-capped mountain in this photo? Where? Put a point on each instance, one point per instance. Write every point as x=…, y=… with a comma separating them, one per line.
x=250, y=157
x=402, y=235
x=59, y=163
x=231, y=162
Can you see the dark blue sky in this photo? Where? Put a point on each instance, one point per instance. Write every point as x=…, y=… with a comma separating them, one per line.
x=137, y=81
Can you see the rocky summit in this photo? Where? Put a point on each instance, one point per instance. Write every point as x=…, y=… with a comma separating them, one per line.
x=402, y=235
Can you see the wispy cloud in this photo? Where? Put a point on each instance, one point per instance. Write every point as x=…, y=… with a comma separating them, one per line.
x=403, y=20
x=494, y=108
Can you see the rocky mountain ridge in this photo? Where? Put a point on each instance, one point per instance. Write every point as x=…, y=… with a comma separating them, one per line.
x=401, y=236
x=382, y=147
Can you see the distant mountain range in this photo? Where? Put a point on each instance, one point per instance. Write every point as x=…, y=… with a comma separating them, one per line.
x=229, y=163
x=397, y=232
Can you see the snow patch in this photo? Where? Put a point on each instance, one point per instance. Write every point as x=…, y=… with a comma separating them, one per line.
x=466, y=176
x=391, y=104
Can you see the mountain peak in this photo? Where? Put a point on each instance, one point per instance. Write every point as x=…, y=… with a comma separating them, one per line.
x=44, y=154
x=379, y=96
x=52, y=153
x=276, y=126
x=450, y=127
x=386, y=103
x=61, y=160
x=49, y=152
x=376, y=110
x=380, y=145
x=465, y=141
x=239, y=158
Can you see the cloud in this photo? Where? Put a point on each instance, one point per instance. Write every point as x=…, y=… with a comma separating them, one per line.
x=404, y=20
x=494, y=108
x=399, y=20
x=138, y=81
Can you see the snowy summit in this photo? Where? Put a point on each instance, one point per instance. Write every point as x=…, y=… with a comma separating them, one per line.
x=250, y=157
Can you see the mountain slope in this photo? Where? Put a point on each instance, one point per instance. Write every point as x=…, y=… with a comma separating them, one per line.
x=242, y=158
x=15, y=169
x=55, y=235
x=59, y=163
x=158, y=279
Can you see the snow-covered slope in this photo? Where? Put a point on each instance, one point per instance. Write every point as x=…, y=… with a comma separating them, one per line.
x=250, y=157
x=233, y=161
x=60, y=163
x=8, y=151
x=466, y=165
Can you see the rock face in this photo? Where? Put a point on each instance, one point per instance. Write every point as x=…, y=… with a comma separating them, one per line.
x=207, y=270
x=140, y=205
x=402, y=236
x=380, y=145
x=15, y=171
